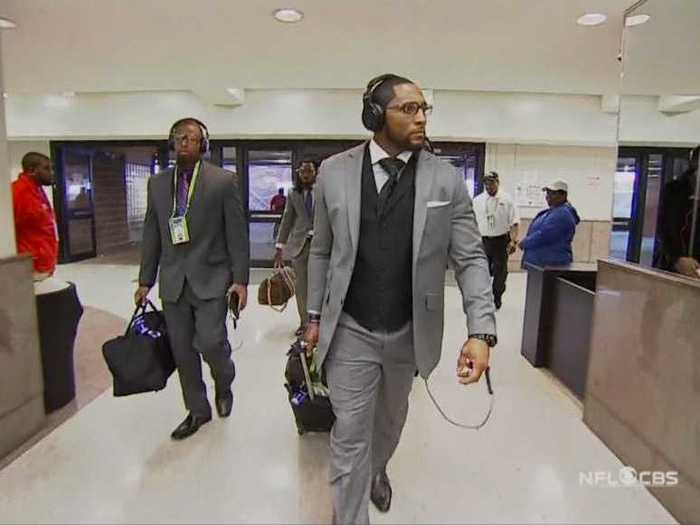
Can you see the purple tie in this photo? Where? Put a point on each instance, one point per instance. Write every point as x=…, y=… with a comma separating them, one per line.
x=183, y=188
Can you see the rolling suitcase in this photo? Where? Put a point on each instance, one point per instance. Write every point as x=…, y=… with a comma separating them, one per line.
x=310, y=403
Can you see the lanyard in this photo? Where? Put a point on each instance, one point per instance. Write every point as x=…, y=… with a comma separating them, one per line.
x=190, y=192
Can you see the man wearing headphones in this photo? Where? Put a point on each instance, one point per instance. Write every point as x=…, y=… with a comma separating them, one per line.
x=296, y=232
x=388, y=218
x=195, y=231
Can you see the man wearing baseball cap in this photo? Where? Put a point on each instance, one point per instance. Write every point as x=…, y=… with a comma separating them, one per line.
x=548, y=240
x=497, y=218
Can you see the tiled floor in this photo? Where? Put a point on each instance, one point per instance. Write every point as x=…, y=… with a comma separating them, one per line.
x=114, y=461
x=92, y=376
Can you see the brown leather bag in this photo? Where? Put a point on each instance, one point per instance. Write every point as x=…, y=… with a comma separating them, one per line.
x=278, y=289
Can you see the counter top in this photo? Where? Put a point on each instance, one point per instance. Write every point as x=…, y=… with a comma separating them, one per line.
x=653, y=273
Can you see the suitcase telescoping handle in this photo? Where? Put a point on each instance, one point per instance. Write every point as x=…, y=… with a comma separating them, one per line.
x=305, y=367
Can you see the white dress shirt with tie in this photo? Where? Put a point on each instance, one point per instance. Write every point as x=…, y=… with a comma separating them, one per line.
x=377, y=153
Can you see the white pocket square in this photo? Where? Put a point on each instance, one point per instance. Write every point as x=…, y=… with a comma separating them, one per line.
x=437, y=204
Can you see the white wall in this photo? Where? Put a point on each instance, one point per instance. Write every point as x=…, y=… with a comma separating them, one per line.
x=589, y=171
x=7, y=223
x=523, y=118
x=459, y=115
x=548, y=135
x=642, y=123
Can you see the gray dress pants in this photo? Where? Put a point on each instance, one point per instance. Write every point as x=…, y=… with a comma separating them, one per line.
x=195, y=327
x=370, y=375
x=301, y=268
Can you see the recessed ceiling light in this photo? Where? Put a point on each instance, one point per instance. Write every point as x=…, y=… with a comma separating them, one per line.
x=591, y=19
x=288, y=15
x=4, y=95
x=636, y=20
x=6, y=23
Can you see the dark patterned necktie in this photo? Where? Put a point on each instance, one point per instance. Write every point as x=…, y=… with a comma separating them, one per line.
x=183, y=189
x=393, y=167
x=309, y=203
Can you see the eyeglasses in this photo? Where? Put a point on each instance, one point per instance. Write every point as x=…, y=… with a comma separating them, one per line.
x=411, y=108
x=182, y=137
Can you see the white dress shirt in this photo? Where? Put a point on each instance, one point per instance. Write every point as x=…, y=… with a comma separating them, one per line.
x=377, y=153
x=495, y=215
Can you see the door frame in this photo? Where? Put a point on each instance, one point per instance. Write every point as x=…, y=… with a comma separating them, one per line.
x=641, y=155
x=466, y=148
x=63, y=213
x=60, y=205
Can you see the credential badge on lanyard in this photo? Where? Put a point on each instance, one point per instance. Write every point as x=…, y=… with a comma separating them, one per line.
x=179, y=232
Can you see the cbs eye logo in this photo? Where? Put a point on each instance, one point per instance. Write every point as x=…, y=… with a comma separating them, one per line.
x=629, y=477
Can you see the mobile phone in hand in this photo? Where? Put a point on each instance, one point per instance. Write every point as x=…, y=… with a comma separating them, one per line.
x=234, y=304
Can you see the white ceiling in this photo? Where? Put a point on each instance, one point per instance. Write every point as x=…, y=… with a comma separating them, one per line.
x=125, y=45
x=663, y=56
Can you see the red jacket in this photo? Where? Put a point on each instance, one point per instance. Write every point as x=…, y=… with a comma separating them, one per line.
x=35, y=223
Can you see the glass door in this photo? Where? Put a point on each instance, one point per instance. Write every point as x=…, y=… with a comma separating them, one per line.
x=625, y=189
x=652, y=199
x=269, y=171
x=468, y=159
x=642, y=173
x=75, y=189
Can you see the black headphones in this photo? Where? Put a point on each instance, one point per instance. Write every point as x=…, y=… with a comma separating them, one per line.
x=203, y=144
x=373, y=113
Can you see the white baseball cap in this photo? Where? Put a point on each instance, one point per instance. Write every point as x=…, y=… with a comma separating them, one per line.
x=557, y=185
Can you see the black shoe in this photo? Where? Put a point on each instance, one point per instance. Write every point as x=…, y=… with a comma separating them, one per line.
x=189, y=426
x=380, y=493
x=498, y=303
x=224, y=404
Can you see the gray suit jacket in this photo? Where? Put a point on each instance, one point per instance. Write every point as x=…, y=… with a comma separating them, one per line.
x=296, y=223
x=444, y=229
x=218, y=252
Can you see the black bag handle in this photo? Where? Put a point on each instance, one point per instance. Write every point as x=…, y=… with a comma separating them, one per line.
x=140, y=310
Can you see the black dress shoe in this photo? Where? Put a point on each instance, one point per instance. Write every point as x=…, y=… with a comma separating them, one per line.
x=224, y=404
x=189, y=426
x=381, y=492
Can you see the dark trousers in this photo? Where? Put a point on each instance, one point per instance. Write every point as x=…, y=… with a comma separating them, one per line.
x=496, y=249
x=195, y=327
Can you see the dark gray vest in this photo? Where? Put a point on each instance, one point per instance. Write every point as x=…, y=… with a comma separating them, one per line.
x=380, y=296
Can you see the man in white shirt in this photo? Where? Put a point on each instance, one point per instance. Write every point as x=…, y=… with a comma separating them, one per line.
x=498, y=221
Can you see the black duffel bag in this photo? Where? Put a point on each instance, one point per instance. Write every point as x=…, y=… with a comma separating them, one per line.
x=140, y=360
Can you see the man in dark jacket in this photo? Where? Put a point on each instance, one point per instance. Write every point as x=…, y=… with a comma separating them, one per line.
x=195, y=240
x=548, y=240
x=676, y=223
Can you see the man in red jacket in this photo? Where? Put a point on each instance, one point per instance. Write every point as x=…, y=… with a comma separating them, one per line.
x=35, y=222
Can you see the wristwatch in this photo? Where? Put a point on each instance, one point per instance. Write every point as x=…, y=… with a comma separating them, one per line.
x=489, y=339
x=314, y=318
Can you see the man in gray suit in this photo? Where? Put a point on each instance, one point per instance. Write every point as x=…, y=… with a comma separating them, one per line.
x=296, y=232
x=389, y=217
x=196, y=232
